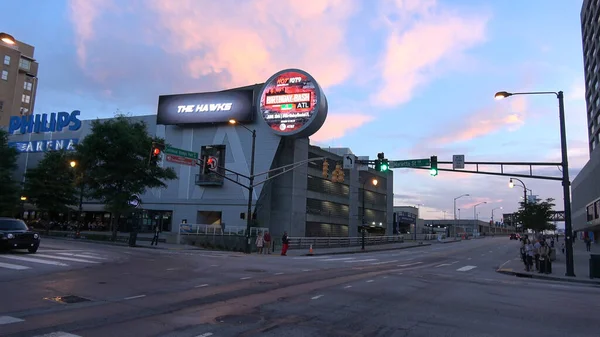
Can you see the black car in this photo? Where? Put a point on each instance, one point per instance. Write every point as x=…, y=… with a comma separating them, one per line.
x=14, y=234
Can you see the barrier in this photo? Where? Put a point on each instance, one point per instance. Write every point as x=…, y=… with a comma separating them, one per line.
x=330, y=242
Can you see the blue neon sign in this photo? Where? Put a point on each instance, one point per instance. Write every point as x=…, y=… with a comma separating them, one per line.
x=45, y=145
x=54, y=122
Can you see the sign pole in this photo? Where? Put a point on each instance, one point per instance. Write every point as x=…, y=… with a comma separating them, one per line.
x=250, y=192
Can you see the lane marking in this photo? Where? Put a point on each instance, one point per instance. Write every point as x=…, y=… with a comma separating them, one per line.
x=365, y=260
x=311, y=257
x=134, y=297
x=442, y=265
x=30, y=259
x=171, y=269
x=13, y=266
x=278, y=274
x=346, y=287
x=455, y=262
x=245, y=278
x=58, y=334
x=207, y=334
x=502, y=265
x=9, y=320
x=369, y=281
x=201, y=285
x=466, y=268
x=491, y=251
x=409, y=264
x=482, y=254
x=340, y=259
x=83, y=255
x=65, y=258
x=383, y=262
x=317, y=297
x=305, y=269
x=468, y=258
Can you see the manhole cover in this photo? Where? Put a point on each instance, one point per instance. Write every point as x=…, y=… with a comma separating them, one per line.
x=255, y=270
x=68, y=299
x=238, y=319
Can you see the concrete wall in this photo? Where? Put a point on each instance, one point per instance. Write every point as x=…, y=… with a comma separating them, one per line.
x=585, y=189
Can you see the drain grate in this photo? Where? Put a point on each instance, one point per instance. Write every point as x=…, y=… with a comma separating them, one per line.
x=70, y=299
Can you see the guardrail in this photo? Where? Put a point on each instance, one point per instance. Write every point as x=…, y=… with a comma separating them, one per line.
x=324, y=242
x=203, y=229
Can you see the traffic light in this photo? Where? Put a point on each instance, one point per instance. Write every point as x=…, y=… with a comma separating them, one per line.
x=155, y=151
x=381, y=164
x=208, y=164
x=384, y=165
x=433, y=171
x=340, y=173
x=325, y=169
x=335, y=175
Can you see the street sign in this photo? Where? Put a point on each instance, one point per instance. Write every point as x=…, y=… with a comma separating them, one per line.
x=458, y=161
x=180, y=160
x=363, y=166
x=181, y=153
x=410, y=163
x=349, y=160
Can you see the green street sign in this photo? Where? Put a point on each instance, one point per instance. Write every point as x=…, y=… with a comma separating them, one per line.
x=410, y=163
x=181, y=153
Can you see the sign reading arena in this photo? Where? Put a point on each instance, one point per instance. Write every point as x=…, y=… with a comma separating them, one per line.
x=293, y=104
x=210, y=107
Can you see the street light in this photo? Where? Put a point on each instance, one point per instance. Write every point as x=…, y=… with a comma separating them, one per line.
x=23, y=198
x=511, y=184
x=374, y=182
x=250, y=183
x=8, y=39
x=475, y=215
x=493, y=223
x=460, y=196
x=73, y=164
x=566, y=182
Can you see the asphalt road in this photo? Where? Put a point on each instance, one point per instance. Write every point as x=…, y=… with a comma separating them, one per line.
x=439, y=290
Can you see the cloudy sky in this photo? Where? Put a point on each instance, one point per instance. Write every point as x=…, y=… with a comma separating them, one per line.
x=411, y=78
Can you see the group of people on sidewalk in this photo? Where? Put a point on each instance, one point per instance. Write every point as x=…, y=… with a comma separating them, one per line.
x=263, y=243
x=537, y=254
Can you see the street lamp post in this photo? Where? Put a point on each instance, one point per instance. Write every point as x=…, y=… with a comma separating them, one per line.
x=566, y=182
x=511, y=184
x=250, y=184
x=73, y=164
x=493, y=223
x=8, y=39
x=374, y=181
x=460, y=196
x=475, y=215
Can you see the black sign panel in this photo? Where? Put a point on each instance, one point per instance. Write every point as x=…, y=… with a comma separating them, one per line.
x=210, y=107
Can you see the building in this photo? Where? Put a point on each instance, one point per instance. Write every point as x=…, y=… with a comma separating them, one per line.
x=18, y=80
x=586, y=186
x=405, y=219
x=305, y=201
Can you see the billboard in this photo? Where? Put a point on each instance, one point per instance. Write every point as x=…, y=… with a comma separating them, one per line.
x=292, y=103
x=202, y=108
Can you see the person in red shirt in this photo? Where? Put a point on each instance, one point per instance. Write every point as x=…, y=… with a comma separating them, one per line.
x=285, y=244
x=267, y=238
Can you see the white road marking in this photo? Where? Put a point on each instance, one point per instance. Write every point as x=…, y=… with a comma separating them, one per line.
x=491, y=251
x=317, y=297
x=65, y=258
x=369, y=281
x=58, y=334
x=170, y=269
x=346, y=287
x=245, y=278
x=409, y=264
x=201, y=285
x=207, y=334
x=9, y=320
x=305, y=269
x=384, y=262
x=83, y=255
x=442, y=265
x=13, y=266
x=311, y=257
x=455, y=262
x=365, y=260
x=468, y=258
x=278, y=273
x=30, y=259
x=466, y=268
x=502, y=265
x=340, y=259
x=134, y=297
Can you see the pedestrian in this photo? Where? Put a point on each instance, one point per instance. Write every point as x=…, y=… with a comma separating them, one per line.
x=529, y=252
x=523, y=252
x=155, y=238
x=260, y=242
x=588, y=244
x=562, y=247
x=545, y=266
x=285, y=244
x=267, y=242
x=536, y=253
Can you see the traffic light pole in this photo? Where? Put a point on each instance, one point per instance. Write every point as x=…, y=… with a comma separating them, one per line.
x=250, y=193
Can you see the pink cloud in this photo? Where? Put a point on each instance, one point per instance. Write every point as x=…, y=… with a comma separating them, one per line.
x=415, y=48
x=83, y=14
x=337, y=125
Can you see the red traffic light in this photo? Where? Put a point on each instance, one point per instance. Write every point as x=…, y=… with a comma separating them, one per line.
x=155, y=152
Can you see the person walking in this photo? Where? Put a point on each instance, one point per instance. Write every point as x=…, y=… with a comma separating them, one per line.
x=545, y=266
x=536, y=253
x=155, y=238
x=530, y=254
x=260, y=242
x=267, y=242
x=285, y=244
x=588, y=243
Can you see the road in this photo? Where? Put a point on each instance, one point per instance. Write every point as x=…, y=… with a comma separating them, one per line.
x=438, y=290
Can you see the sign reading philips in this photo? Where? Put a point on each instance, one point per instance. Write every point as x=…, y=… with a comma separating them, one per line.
x=201, y=108
x=54, y=122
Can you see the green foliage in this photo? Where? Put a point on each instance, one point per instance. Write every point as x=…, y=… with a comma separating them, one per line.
x=535, y=215
x=51, y=185
x=9, y=191
x=115, y=159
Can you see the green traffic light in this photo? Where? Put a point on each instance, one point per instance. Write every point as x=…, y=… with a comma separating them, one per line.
x=433, y=172
x=384, y=167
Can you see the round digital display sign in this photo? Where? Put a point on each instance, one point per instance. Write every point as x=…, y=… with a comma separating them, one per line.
x=293, y=104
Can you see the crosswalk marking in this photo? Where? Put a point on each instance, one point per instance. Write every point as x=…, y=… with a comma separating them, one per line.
x=66, y=258
x=466, y=268
x=12, y=266
x=442, y=265
x=383, y=262
x=409, y=264
x=311, y=257
x=58, y=334
x=85, y=255
x=9, y=320
x=340, y=259
x=30, y=259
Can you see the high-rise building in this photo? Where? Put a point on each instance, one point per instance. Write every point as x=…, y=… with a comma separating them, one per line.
x=590, y=32
x=18, y=78
x=586, y=186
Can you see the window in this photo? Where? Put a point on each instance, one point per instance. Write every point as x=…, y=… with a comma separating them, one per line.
x=27, y=86
x=25, y=64
x=25, y=98
x=5, y=75
x=7, y=60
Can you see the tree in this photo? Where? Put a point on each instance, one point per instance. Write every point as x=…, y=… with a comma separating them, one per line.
x=9, y=193
x=115, y=160
x=51, y=185
x=536, y=215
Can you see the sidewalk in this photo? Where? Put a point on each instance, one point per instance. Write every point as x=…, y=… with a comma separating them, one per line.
x=355, y=249
x=143, y=241
x=580, y=260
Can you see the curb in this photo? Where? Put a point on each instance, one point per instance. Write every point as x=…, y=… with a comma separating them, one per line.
x=453, y=241
x=508, y=271
x=112, y=243
x=365, y=251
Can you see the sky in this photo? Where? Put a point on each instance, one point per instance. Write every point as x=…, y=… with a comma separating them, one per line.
x=410, y=78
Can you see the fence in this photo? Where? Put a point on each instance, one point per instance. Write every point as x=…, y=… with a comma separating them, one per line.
x=324, y=242
x=201, y=229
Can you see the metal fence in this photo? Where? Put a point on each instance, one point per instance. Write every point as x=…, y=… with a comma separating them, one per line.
x=202, y=229
x=324, y=242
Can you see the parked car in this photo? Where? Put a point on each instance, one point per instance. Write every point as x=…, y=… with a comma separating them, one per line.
x=14, y=234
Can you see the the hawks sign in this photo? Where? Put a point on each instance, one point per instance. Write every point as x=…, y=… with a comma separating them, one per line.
x=292, y=103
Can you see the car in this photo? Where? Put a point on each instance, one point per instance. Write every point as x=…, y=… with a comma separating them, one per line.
x=513, y=236
x=14, y=234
